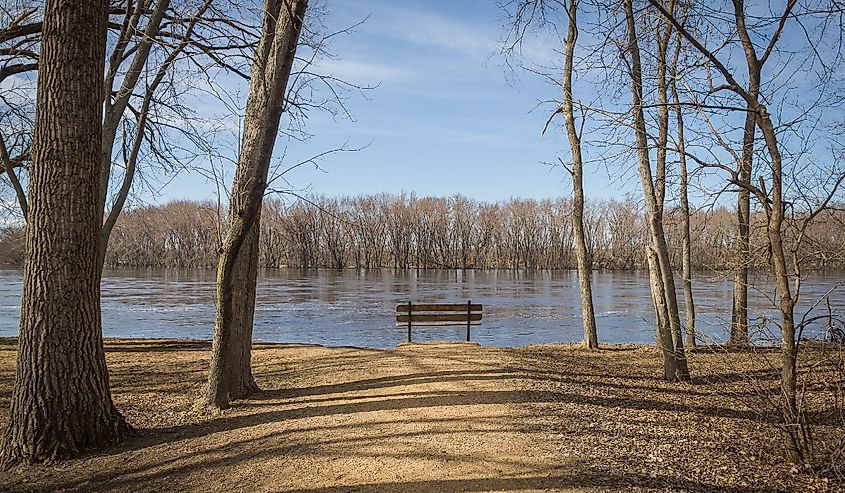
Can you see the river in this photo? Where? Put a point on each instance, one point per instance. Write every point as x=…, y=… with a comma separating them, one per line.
x=357, y=308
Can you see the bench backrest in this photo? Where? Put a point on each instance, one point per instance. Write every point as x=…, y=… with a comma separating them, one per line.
x=426, y=314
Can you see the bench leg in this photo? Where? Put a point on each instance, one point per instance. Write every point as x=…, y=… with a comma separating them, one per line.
x=469, y=316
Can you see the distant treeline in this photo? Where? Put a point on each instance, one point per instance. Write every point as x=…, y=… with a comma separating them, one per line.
x=406, y=231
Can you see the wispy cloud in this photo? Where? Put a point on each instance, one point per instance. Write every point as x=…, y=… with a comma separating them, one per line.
x=430, y=29
x=434, y=30
x=360, y=71
x=459, y=136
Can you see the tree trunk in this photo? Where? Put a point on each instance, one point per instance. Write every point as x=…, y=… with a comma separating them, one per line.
x=739, y=314
x=245, y=276
x=775, y=210
x=655, y=274
x=663, y=334
x=274, y=58
x=662, y=38
x=689, y=303
x=795, y=447
x=61, y=402
x=583, y=253
x=657, y=298
x=789, y=348
x=675, y=363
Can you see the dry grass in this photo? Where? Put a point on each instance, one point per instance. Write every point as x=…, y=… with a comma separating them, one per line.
x=448, y=417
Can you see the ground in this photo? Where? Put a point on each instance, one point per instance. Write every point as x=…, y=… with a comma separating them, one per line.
x=438, y=417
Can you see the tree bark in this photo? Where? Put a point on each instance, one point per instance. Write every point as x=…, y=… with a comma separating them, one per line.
x=244, y=279
x=739, y=313
x=686, y=253
x=689, y=302
x=271, y=69
x=786, y=304
x=775, y=214
x=675, y=363
x=582, y=252
x=663, y=336
x=61, y=402
x=758, y=115
x=655, y=274
x=662, y=38
x=655, y=284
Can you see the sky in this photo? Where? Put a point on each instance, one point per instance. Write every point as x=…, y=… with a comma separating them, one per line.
x=446, y=116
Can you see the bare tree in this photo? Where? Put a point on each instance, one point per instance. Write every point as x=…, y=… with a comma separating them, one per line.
x=60, y=345
x=671, y=344
x=739, y=315
x=686, y=249
x=525, y=15
x=146, y=80
x=583, y=253
x=187, y=234
x=770, y=192
x=18, y=58
x=273, y=61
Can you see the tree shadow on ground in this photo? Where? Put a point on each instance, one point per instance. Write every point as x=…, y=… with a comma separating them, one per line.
x=178, y=472
x=176, y=456
x=296, y=409
x=584, y=479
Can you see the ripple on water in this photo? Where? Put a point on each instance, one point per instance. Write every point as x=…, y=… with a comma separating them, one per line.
x=358, y=307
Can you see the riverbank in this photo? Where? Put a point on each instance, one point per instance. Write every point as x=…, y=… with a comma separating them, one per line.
x=439, y=417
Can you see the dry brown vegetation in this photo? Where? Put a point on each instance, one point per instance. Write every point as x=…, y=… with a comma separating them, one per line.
x=408, y=231
x=448, y=417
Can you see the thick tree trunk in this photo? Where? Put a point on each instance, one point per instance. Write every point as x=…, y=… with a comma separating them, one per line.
x=582, y=252
x=241, y=381
x=658, y=299
x=675, y=363
x=274, y=58
x=61, y=402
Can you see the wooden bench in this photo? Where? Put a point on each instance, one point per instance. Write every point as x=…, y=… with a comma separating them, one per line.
x=431, y=314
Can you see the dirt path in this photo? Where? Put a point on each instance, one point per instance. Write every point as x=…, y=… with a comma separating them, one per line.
x=441, y=418
x=432, y=418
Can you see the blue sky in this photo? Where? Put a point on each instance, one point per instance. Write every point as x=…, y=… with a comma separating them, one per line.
x=447, y=116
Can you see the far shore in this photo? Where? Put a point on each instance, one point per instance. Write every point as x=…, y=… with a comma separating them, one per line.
x=432, y=417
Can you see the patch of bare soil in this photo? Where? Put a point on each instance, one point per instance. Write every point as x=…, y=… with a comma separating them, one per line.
x=440, y=417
